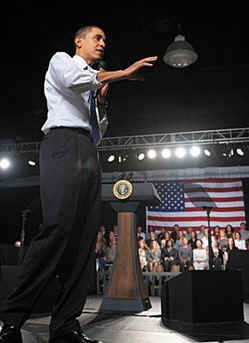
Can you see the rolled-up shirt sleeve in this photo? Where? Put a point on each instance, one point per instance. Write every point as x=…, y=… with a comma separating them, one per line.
x=69, y=75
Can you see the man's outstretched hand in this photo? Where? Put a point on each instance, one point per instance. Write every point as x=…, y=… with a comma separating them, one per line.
x=132, y=72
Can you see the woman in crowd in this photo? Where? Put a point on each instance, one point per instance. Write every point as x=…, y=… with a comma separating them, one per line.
x=239, y=243
x=178, y=243
x=169, y=256
x=200, y=257
x=111, y=249
x=143, y=254
x=164, y=239
x=223, y=240
x=154, y=257
x=100, y=250
x=229, y=230
x=185, y=254
x=217, y=256
x=227, y=251
x=193, y=238
x=216, y=232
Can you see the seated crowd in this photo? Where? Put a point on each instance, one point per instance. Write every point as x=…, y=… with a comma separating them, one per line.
x=177, y=250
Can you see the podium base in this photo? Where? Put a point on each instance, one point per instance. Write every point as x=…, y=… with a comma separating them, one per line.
x=125, y=305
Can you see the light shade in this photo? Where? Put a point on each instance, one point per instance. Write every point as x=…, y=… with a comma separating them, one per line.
x=180, y=53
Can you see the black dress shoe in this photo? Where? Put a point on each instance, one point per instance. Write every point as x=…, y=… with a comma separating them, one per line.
x=10, y=334
x=75, y=336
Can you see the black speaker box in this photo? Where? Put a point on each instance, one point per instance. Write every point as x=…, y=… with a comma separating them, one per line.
x=203, y=297
x=239, y=260
x=205, y=305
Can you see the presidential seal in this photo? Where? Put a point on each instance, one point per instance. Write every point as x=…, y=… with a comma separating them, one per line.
x=122, y=189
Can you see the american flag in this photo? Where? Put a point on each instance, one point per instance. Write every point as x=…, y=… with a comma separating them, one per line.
x=185, y=203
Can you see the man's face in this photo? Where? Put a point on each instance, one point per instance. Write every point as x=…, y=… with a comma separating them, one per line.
x=93, y=44
x=242, y=226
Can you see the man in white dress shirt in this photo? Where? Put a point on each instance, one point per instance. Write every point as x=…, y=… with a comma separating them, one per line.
x=70, y=188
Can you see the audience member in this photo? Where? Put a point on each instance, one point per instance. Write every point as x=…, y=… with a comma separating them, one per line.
x=140, y=233
x=200, y=257
x=223, y=240
x=229, y=230
x=185, y=254
x=217, y=256
x=169, y=255
x=166, y=236
x=238, y=241
x=143, y=254
x=154, y=257
x=192, y=240
x=178, y=242
x=243, y=231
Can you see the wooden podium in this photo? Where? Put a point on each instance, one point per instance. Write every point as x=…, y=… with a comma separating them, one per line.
x=126, y=291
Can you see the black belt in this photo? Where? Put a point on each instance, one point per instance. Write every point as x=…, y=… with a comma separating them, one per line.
x=76, y=129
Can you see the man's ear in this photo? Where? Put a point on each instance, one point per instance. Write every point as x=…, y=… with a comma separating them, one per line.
x=78, y=42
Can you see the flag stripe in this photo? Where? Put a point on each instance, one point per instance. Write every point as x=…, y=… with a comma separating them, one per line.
x=224, y=209
x=217, y=189
x=217, y=200
x=197, y=214
x=197, y=219
x=219, y=205
x=212, y=181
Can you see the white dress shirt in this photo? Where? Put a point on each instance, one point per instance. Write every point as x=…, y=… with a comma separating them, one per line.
x=201, y=256
x=68, y=82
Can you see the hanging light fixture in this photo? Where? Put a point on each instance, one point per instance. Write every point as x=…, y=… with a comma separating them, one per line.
x=180, y=53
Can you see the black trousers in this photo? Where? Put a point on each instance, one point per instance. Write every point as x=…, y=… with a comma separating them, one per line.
x=70, y=189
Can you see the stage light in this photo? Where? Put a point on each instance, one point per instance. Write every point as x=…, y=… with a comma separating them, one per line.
x=5, y=163
x=141, y=156
x=228, y=152
x=207, y=152
x=180, y=152
x=166, y=153
x=180, y=53
x=151, y=153
x=111, y=158
x=122, y=158
x=195, y=151
x=240, y=152
x=31, y=163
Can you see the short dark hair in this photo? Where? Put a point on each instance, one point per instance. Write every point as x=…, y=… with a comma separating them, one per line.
x=82, y=31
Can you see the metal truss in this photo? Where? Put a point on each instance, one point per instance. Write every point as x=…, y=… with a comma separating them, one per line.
x=239, y=135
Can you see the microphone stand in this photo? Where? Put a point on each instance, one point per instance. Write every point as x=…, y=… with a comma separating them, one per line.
x=210, y=252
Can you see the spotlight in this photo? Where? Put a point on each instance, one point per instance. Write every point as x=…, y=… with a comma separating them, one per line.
x=122, y=158
x=31, y=163
x=4, y=163
x=240, y=152
x=152, y=153
x=180, y=152
x=228, y=152
x=207, y=152
x=141, y=156
x=166, y=153
x=195, y=151
x=111, y=158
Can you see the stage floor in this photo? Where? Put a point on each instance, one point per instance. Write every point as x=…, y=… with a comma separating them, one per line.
x=144, y=327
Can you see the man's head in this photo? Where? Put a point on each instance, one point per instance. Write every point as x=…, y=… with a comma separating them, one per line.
x=90, y=43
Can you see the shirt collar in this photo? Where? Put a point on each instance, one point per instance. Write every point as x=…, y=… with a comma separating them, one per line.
x=81, y=62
